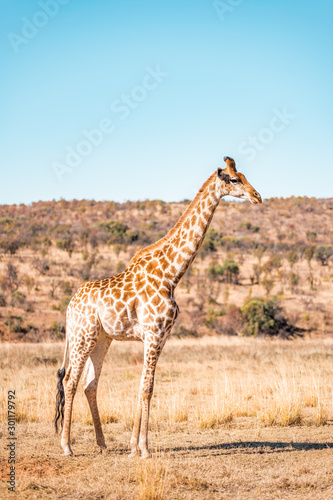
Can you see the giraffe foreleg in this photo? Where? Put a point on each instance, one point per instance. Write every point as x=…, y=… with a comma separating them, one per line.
x=146, y=395
x=139, y=440
x=90, y=379
x=135, y=451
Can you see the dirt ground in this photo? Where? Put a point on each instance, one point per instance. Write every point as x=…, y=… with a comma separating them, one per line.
x=226, y=463
x=201, y=449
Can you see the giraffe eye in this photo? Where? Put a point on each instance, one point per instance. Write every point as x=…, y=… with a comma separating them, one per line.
x=234, y=181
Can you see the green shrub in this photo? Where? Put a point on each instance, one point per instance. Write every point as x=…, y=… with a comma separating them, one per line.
x=276, y=261
x=215, y=271
x=309, y=253
x=249, y=227
x=311, y=235
x=18, y=299
x=292, y=257
x=57, y=330
x=66, y=287
x=66, y=244
x=294, y=280
x=121, y=266
x=14, y=323
x=181, y=331
x=230, y=270
x=207, y=247
x=265, y=317
x=211, y=320
x=323, y=253
x=64, y=303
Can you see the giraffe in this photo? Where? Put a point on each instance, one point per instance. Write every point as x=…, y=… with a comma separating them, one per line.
x=137, y=304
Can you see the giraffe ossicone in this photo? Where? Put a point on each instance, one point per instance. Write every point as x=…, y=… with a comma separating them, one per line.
x=137, y=304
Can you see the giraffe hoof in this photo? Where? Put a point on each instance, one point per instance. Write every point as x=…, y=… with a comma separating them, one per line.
x=145, y=454
x=68, y=453
x=134, y=454
x=102, y=446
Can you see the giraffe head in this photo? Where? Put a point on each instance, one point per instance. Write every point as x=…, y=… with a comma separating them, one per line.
x=233, y=183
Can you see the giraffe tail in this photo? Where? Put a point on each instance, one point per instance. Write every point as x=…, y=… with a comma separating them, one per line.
x=60, y=398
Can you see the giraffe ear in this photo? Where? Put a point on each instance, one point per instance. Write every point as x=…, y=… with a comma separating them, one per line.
x=231, y=165
x=223, y=176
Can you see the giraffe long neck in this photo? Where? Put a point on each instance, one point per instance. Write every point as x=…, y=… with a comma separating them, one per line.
x=180, y=246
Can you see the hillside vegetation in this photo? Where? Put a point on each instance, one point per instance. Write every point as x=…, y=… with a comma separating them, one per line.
x=261, y=270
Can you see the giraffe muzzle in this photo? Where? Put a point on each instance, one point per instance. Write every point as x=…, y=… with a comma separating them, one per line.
x=256, y=198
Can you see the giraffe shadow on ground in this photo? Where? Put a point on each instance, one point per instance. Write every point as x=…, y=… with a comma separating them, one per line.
x=250, y=447
x=244, y=447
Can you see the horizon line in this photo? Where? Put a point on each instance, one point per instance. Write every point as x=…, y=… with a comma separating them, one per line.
x=227, y=199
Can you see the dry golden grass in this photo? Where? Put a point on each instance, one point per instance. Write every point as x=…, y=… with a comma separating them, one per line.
x=214, y=398
x=150, y=479
x=205, y=383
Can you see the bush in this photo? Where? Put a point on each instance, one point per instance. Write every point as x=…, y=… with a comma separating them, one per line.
x=215, y=271
x=268, y=285
x=121, y=266
x=66, y=287
x=116, y=229
x=294, y=280
x=28, y=282
x=323, y=253
x=265, y=317
x=230, y=270
x=64, y=303
x=211, y=320
x=66, y=244
x=14, y=324
x=232, y=322
x=223, y=322
x=9, y=245
x=2, y=301
x=309, y=253
x=212, y=240
x=292, y=257
x=57, y=330
x=10, y=280
x=18, y=299
x=181, y=331
x=207, y=247
x=41, y=265
x=311, y=235
x=276, y=261
x=249, y=227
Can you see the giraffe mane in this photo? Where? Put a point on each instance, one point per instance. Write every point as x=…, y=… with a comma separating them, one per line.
x=158, y=244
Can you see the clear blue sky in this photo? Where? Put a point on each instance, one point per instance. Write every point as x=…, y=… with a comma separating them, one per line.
x=228, y=73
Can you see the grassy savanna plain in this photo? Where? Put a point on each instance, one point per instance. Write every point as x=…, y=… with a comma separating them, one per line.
x=231, y=417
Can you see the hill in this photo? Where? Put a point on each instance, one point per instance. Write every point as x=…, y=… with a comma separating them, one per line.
x=282, y=248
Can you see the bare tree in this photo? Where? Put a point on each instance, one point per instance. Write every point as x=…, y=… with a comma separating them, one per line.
x=10, y=281
x=54, y=284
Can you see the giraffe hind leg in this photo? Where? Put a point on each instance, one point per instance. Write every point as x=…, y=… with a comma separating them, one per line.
x=78, y=356
x=90, y=379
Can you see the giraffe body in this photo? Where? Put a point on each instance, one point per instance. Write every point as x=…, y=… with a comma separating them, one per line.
x=139, y=305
